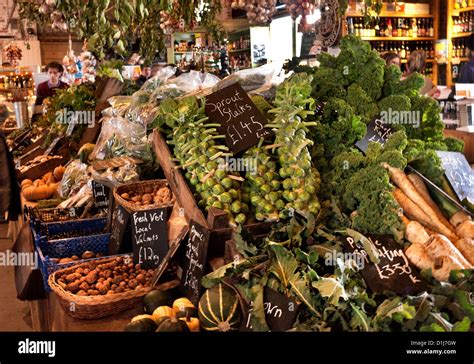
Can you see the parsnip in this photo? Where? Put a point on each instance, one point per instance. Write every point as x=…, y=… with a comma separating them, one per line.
x=439, y=245
x=447, y=264
x=465, y=229
x=415, y=233
x=414, y=212
x=418, y=256
x=466, y=247
x=458, y=218
x=421, y=188
x=401, y=180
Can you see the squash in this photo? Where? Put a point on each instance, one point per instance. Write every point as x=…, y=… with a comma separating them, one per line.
x=171, y=324
x=38, y=183
x=46, y=177
x=155, y=299
x=192, y=323
x=59, y=172
x=142, y=325
x=26, y=182
x=141, y=317
x=50, y=180
x=184, y=308
x=42, y=192
x=219, y=309
x=163, y=311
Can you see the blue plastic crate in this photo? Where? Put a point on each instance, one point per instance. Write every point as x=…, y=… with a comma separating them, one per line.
x=65, y=248
x=76, y=228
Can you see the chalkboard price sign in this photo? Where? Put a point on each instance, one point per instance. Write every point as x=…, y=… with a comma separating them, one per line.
x=241, y=122
x=150, y=237
x=118, y=231
x=101, y=194
x=459, y=174
x=377, y=132
x=195, y=256
x=393, y=272
x=280, y=311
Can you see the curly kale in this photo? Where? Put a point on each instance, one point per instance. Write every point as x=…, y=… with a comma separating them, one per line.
x=430, y=126
x=357, y=63
x=363, y=187
x=361, y=103
x=395, y=103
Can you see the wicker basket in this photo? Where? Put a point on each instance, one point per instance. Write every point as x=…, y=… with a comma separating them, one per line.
x=140, y=188
x=94, y=307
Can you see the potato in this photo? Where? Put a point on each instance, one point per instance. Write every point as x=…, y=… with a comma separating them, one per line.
x=82, y=293
x=113, y=287
x=72, y=277
x=75, y=257
x=91, y=277
x=88, y=255
x=65, y=260
x=125, y=196
x=132, y=283
x=73, y=287
x=119, y=290
x=148, y=190
x=136, y=198
x=141, y=278
x=84, y=286
x=123, y=284
x=138, y=203
x=110, y=292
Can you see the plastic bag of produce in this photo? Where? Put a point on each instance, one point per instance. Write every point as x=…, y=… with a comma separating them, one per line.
x=124, y=174
x=74, y=177
x=121, y=137
x=252, y=78
x=160, y=78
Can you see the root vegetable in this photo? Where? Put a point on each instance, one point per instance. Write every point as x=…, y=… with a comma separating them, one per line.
x=447, y=264
x=458, y=218
x=415, y=233
x=421, y=188
x=401, y=180
x=418, y=256
x=466, y=229
x=466, y=247
x=439, y=246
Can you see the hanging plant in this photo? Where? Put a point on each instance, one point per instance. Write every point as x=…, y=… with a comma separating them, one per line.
x=258, y=11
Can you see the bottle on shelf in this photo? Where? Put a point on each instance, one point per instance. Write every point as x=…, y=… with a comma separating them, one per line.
x=389, y=29
x=414, y=28
x=403, y=51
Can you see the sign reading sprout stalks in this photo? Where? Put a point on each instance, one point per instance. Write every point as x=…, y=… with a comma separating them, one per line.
x=241, y=122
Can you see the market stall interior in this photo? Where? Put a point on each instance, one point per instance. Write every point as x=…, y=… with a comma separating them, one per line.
x=244, y=166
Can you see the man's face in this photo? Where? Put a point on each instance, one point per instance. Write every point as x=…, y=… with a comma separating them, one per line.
x=146, y=71
x=54, y=75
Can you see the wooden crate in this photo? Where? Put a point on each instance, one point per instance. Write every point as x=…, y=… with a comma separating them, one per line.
x=216, y=220
x=39, y=170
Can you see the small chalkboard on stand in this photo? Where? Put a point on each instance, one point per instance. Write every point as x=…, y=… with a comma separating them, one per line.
x=377, y=132
x=150, y=237
x=195, y=255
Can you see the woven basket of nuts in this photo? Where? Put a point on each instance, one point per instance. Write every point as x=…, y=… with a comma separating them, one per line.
x=101, y=287
x=144, y=195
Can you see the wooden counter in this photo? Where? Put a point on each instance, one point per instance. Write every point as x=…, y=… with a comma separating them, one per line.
x=47, y=315
x=467, y=138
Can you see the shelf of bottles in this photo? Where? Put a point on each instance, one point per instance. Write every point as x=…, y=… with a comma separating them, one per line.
x=398, y=28
x=461, y=6
x=458, y=49
x=463, y=24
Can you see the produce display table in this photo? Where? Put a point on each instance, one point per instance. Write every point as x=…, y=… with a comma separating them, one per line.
x=47, y=315
x=467, y=138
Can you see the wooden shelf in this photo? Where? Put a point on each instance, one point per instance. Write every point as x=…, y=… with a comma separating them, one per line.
x=240, y=50
x=383, y=14
x=390, y=39
x=455, y=12
x=428, y=60
x=461, y=35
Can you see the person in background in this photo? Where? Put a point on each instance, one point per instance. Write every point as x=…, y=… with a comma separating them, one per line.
x=391, y=58
x=48, y=88
x=467, y=72
x=417, y=63
x=145, y=74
